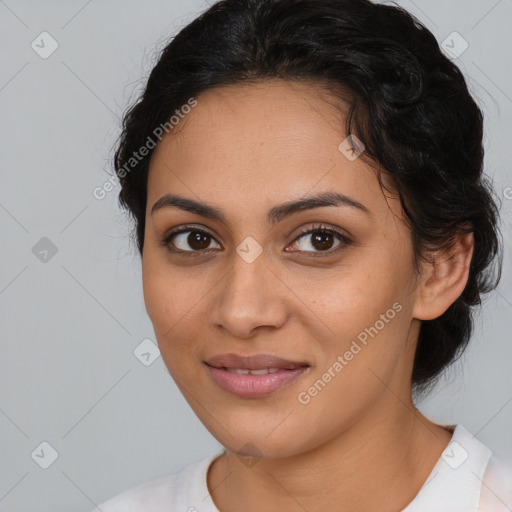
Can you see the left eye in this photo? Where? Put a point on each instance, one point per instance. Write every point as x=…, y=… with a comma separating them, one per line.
x=321, y=239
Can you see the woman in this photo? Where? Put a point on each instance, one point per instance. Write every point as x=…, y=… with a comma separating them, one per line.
x=315, y=229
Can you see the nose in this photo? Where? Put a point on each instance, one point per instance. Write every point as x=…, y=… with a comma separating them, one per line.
x=250, y=296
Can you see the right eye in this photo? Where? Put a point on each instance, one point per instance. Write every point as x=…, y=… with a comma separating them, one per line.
x=188, y=241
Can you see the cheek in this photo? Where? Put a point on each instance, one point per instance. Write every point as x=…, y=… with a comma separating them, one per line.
x=361, y=315
x=177, y=306
x=353, y=297
x=168, y=298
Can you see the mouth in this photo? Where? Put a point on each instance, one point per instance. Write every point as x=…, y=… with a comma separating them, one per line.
x=253, y=362
x=254, y=376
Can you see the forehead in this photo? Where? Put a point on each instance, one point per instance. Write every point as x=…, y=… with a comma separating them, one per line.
x=261, y=142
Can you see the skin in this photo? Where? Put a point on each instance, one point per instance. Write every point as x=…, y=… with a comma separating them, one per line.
x=359, y=444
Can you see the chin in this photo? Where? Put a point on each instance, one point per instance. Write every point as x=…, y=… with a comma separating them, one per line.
x=257, y=441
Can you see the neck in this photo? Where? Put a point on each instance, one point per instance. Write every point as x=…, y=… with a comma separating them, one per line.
x=379, y=463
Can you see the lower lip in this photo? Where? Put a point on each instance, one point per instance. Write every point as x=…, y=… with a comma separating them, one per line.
x=253, y=386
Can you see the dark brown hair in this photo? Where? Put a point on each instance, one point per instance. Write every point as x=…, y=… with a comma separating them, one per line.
x=410, y=106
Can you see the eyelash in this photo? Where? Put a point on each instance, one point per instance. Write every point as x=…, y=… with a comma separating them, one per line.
x=345, y=241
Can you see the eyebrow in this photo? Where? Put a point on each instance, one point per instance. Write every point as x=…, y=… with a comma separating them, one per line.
x=274, y=215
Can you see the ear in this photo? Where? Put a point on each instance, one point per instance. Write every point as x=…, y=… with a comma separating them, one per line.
x=444, y=278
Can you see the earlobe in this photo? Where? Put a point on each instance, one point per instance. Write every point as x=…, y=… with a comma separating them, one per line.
x=444, y=278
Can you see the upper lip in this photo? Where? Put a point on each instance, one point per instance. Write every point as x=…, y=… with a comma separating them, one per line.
x=253, y=362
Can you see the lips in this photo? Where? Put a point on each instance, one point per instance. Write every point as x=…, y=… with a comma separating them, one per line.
x=253, y=362
x=254, y=376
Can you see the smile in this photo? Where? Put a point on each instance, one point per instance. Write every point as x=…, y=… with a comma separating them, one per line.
x=248, y=383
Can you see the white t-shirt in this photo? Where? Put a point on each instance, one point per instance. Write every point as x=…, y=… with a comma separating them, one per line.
x=466, y=478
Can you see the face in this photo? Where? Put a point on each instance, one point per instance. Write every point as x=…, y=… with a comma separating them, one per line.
x=328, y=289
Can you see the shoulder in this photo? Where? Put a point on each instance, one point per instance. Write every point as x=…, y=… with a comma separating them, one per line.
x=165, y=494
x=496, y=486
x=467, y=477
x=477, y=470
x=149, y=494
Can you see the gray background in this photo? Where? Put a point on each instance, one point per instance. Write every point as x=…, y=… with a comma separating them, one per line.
x=70, y=321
